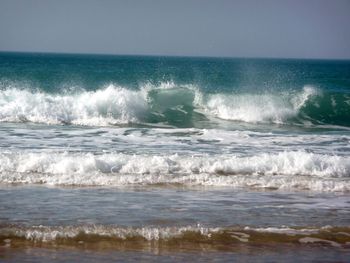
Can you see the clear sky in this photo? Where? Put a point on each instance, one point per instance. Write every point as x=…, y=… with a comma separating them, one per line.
x=235, y=28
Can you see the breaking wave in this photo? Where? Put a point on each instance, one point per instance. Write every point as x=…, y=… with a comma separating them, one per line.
x=286, y=170
x=172, y=236
x=112, y=105
x=171, y=104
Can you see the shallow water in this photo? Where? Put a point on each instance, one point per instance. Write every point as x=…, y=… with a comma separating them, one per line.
x=40, y=223
x=280, y=253
x=171, y=206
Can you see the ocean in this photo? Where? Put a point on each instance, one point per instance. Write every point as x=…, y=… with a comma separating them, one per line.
x=142, y=158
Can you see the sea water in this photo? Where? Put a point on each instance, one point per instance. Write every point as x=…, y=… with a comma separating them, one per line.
x=173, y=158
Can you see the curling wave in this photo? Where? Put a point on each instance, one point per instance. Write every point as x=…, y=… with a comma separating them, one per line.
x=169, y=103
x=255, y=108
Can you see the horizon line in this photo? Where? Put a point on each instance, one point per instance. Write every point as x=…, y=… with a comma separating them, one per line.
x=169, y=56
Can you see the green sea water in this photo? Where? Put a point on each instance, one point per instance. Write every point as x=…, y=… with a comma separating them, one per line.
x=179, y=91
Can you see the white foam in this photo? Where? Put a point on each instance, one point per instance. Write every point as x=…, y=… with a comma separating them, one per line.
x=319, y=240
x=286, y=170
x=246, y=234
x=111, y=105
x=118, y=105
x=285, y=230
x=47, y=234
x=256, y=108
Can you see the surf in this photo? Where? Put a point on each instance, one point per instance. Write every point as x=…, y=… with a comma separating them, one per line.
x=174, y=105
x=297, y=170
x=174, y=237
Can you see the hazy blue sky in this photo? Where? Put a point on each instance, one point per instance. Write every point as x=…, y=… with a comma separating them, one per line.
x=262, y=28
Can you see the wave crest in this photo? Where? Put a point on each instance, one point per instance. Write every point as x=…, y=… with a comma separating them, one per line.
x=165, y=236
x=268, y=108
x=112, y=105
x=172, y=104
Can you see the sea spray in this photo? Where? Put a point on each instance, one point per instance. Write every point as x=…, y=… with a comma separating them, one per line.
x=170, y=104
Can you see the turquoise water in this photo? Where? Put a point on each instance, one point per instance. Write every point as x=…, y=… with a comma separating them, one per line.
x=173, y=156
x=182, y=92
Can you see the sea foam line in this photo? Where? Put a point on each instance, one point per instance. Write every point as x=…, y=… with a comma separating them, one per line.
x=286, y=170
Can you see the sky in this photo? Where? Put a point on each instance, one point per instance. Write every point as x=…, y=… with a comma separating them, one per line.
x=223, y=28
